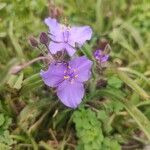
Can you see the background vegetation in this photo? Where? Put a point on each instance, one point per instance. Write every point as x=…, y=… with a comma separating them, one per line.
x=115, y=116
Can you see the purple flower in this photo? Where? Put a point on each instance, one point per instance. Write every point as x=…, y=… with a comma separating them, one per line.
x=101, y=56
x=68, y=79
x=65, y=37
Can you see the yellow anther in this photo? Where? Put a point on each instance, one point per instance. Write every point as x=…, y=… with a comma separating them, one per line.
x=65, y=71
x=76, y=76
x=66, y=77
x=62, y=27
x=69, y=67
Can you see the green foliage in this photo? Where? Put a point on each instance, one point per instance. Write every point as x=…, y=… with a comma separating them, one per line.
x=4, y=147
x=15, y=81
x=88, y=129
x=110, y=144
x=5, y=138
x=114, y=82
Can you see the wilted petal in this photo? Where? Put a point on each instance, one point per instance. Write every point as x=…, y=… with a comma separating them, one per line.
x=54, y=75
x=82, y=65
x=70, y=94
x=80, y=34
x=55, y=47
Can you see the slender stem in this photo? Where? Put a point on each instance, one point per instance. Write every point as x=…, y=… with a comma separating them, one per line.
x=34, y=60
x=50, y=55
x=18, y=68
x=17, y=137
x=53, y=136
x=36, y=124
x=43, y=52
x=45, y=145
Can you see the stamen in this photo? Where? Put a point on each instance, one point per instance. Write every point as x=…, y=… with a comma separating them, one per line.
x=69, y=67
x=66, y=77
x=65, y=71
x=62, y=27
x=76, y=76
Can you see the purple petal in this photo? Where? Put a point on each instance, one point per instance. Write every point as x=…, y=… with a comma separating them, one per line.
x=54, y=75
x=70, y=94
x=83, y=66
x=55, y=47
x=80, y=34
x=55, y=29
x=101, y=56
x=104, y=58
x=70, y=49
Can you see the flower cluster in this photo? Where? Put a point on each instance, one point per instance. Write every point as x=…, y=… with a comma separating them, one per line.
x=68, y=77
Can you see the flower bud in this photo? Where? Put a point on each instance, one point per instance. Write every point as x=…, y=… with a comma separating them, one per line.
x=101, y=83
x=103, y=43
x=15, y=69
x=43, y=38
x=33, y=41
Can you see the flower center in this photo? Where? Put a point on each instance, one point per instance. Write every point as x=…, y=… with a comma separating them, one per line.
x=70, y=74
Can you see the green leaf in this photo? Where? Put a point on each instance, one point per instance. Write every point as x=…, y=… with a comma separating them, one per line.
x=102, y=115
x=2, y=5
x=138, y=39
x=14, y=41
x=138, y=74
x=15, y=81
x=29, y=113
x=6, y=72
x=2, y=119
x=4, y=147
x=115, y=82
x=31, y=83
x=133, y=85
x=88, y=129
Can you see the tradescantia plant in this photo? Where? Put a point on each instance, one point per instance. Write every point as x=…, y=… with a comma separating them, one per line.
x=67, y=76
x=67, y=71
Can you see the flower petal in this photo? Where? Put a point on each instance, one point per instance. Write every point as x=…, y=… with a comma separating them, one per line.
x=54, y=75
x=80, y=34
x=55, y=29
x=70, y=94
x=55, y=47
x=70, y=50
x=83, y=66
x=104, y=58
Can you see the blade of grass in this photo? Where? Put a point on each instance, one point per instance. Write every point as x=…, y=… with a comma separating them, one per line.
x=14, y=42
x=135, y=73
x=5, y=73
x=137, y=115
x=99, y=17
x=132, y=85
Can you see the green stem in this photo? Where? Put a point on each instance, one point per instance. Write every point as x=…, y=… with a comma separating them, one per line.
x=45, y=146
